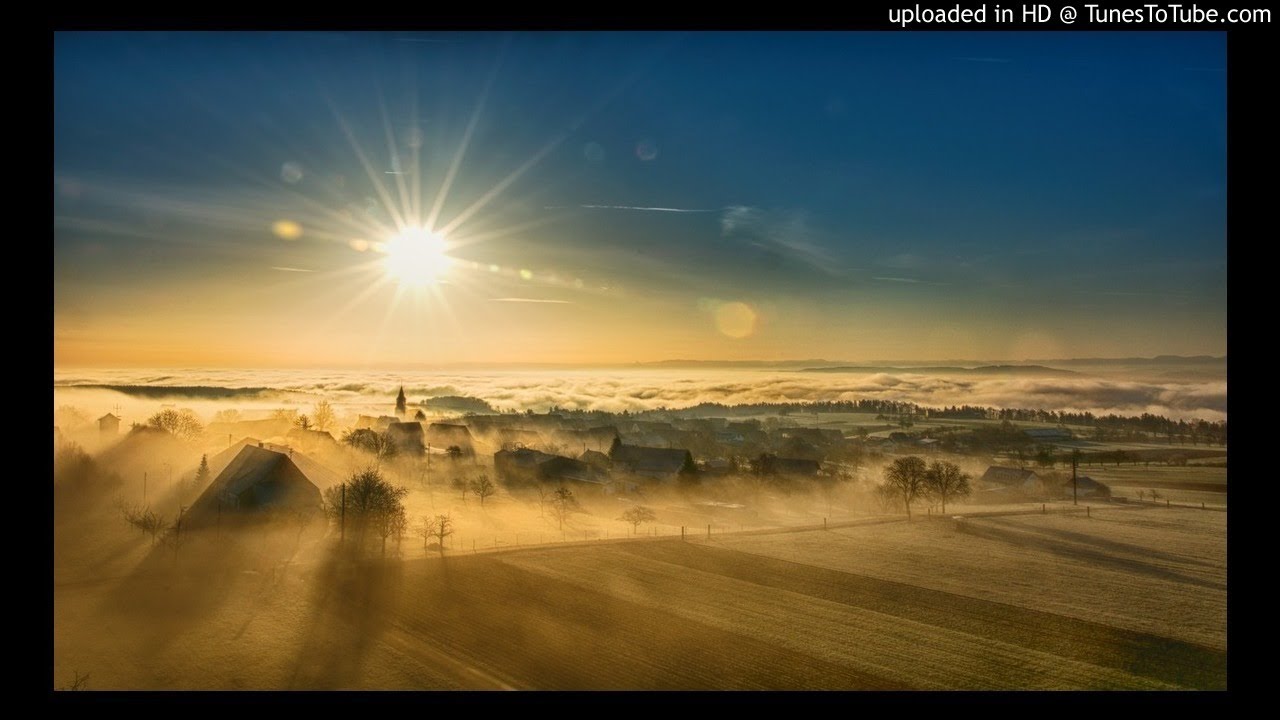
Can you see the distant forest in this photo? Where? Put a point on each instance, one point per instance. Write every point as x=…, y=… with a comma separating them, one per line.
x=1104, y=427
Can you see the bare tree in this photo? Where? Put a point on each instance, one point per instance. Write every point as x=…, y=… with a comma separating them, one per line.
x=462, y=486
x=78, y=682
x=322, y=415
x=438, y=527
x=143, y=518
x=302, y=422
x=179, y=423
x=945, y=480
x=905, y=477
x=226, y=416
x=637, y=516
x=563, y=503
x=391, y=522
x=483, y=487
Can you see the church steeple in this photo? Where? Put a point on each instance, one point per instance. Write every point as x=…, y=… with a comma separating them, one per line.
x=400, y=402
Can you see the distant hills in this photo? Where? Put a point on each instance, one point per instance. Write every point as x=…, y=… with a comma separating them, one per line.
x=956, y=365
x=1035, y=370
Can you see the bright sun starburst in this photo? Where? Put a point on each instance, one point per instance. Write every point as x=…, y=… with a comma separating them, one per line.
x=416, y=257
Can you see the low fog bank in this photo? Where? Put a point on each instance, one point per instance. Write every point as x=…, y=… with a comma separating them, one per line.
x=1171, y=392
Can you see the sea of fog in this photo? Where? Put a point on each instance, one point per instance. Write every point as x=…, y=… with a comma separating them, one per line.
x=1181, y=395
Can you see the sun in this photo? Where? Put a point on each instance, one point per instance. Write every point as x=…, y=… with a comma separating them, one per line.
x=416, y=257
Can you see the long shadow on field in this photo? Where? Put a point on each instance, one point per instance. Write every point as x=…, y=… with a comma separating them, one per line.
x=1173, y=661
x=509, y=626
x=170, y=592
x=353, y=599
x=1112, y=545
x=1096, y=557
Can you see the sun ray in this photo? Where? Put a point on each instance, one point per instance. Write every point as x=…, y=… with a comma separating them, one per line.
x=447, y=184
x=378, y=186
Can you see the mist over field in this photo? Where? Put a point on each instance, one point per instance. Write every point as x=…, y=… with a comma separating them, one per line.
x=1174, y=390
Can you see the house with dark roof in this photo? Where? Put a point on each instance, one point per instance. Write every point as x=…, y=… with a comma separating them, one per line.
x=310, y=438
x=108, y=425
x=596, y=458
x=256, y=480
x=408, y=437
x=523, y=466
x=1011, y=482
x=444, y=435
x=599, y=439
x=665, y=464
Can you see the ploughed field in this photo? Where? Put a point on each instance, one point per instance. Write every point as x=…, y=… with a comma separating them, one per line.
x=1130, y=597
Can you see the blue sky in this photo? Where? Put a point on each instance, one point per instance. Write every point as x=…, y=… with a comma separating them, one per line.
x=862, y=195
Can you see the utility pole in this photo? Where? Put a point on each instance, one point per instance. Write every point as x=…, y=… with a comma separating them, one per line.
x=1075, y=460
x=342, y=522
x=144, y=487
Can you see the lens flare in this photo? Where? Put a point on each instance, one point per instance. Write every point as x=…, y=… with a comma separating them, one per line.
x=735, y=319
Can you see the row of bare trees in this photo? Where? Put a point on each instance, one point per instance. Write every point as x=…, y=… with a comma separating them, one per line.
x=908, y=479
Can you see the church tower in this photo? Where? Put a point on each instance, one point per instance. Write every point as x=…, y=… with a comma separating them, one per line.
x=400, y=403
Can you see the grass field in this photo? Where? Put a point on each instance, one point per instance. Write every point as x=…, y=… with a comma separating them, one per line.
x=1127, y=598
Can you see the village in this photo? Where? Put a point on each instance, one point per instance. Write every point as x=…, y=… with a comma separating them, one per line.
x=286, y=461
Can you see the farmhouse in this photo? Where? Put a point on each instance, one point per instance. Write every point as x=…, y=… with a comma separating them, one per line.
x=108, y=426
x=1009, y=481
x=599, y=439
x=407, y=437
x=310, y=438
x=664, y=464
x=256, y=480
x=1048, y=434
x=444, y=435
x=596, y=458
x=525, y=466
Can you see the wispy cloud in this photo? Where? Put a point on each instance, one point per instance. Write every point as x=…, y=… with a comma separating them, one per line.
x=290, y=269
x=786, y=232
x=913, y=281
x=634, y=207
x=531, y=300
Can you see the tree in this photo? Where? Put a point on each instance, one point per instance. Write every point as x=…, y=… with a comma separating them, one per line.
x=226, y=416
x=302, y=422
x=393, y=524
x=78, y=682
x=462, y=486
x=945, y=480
x=637, y=516
x=284, y=415
x=1045, y=458
x=143, y=518
x=179, y=423
x=381, y=445
x=905, y=478
x=370, y=502
x=438, y=527
x=454, y=452
x=563, y=503
x=483, y=487
x=322, y=415
x=419, y=415
x=69, y=417
x=202, y=473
